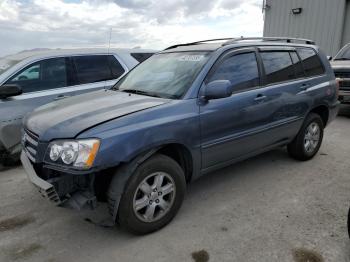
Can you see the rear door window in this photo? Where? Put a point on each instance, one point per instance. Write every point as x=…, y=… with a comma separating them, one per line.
x=140, y=57
x=311, y=62
x=298, y=67
x=241, y=70
x=278, y=66
x=43, y=75
x=96, y=68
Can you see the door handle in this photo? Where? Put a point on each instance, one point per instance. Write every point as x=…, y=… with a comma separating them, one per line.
x=259, y=97
x=305, y=86
x=59, y=97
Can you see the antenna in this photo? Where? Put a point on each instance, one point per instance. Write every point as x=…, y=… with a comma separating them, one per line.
x=110, y=37
x=109, y=47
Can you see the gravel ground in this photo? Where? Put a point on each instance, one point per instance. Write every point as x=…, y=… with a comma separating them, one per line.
x=269, y=208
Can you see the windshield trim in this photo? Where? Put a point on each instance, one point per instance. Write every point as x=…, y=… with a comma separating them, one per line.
x=341, y=52
x=10, y=64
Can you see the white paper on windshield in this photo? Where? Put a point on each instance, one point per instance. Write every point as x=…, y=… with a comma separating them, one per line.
x=191, y=58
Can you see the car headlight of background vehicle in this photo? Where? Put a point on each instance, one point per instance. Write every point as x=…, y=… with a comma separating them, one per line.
x=77, y=153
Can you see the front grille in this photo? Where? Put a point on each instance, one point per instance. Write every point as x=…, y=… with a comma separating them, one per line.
x=344, y=80
x=342, y=74
x=344, y=84
x=30, y=144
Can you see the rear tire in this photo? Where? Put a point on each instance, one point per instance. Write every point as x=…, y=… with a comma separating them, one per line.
x=349, y=223
x=309, y=139
x=152, y=196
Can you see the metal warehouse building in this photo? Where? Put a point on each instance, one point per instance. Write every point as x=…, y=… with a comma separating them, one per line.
x=325, y=21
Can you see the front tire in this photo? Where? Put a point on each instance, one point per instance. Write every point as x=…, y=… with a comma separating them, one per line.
x=9, y=160
x=309, y=139
x=152, y=196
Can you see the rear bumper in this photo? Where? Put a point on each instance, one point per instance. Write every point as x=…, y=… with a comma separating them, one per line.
x=46, y=189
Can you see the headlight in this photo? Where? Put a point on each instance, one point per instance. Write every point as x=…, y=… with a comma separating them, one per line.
x=55, y=152
x=77, y=153
x=70, y=152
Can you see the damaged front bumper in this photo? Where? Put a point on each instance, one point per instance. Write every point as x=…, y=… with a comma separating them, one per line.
x=60, y=190
x=46, y=189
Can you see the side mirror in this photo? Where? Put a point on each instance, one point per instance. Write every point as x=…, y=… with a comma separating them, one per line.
x=329, y=58
x=218, y=89
x=10, y=90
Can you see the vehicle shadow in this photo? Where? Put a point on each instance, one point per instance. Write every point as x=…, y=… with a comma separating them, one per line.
x=231, y=177
x=344, y=110
x=239, y=170
x=8, y=167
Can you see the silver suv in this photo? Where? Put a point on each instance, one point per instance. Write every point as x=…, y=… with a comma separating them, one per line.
x=32, y=79
x=341, y=67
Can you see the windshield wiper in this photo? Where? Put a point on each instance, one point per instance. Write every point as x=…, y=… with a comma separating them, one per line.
x=342, y=58
x=140, y=92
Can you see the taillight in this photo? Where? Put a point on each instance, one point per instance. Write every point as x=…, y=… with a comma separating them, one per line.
x=337, y=85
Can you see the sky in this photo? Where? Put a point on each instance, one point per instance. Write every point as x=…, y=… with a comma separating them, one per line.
x=154, y=24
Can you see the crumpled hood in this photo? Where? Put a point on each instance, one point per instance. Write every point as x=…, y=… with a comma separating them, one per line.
x=69, y=117
x=340, y=64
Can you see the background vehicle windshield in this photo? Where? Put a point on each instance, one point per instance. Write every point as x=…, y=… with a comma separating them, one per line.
x=6, y=64
x=344, y=53
x=167, y=75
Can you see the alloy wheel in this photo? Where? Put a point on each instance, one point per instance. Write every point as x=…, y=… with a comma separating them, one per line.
x=312, y=137
x=154, y=197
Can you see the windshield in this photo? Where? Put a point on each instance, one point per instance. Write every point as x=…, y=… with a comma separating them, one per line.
x=344, y=53
x=167, y=75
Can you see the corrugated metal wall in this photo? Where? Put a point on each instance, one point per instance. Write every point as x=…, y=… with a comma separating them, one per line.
x=320, y=20
x=346, y=30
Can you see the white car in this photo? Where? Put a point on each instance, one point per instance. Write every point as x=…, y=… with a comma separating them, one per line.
x=31, y=79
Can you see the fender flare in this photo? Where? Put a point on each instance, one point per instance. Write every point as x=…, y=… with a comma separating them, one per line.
x=121, y=177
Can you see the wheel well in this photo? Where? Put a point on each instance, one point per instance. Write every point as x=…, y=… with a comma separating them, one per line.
x=323, y=112
x=181, y=155
x=177, y=152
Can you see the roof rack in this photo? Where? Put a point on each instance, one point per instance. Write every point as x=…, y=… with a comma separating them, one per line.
x=279, y=39
x=200, y=42
x=232, y=40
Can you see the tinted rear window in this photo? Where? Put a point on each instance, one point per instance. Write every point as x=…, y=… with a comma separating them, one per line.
x=311, y=62
x=140, y=57
x=97, y=68
x=278, y=66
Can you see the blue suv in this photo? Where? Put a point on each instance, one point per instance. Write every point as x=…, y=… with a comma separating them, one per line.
x=186, y=111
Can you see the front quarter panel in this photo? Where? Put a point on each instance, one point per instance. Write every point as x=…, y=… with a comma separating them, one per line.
x=127, y=137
